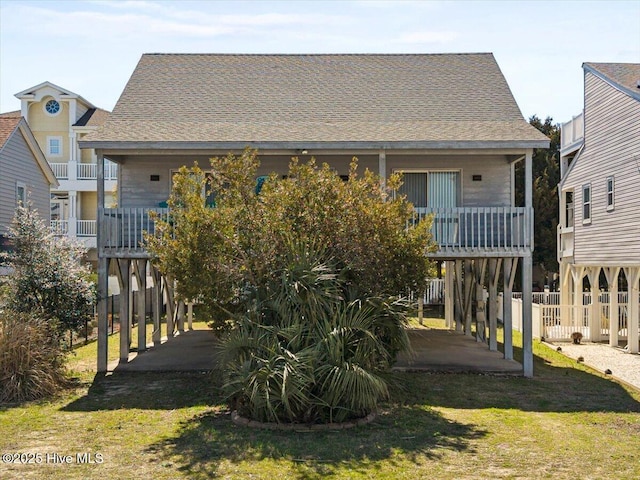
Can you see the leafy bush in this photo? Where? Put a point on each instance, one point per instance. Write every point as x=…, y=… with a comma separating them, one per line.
x=310, y=349
x=217, y=254
x=32, y=363
x=48, y=278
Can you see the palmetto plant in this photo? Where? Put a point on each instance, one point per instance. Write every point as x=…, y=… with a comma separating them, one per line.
x=308, y=348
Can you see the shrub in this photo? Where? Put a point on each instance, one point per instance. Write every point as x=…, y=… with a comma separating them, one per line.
x=218, y=254
x=311, y=349
x=32, y=363
x=48, y=278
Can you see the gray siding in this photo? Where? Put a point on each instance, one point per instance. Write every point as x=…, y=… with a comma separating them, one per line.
x=17, y=164
x=137, y=190
x=492, y=191
x=612, y=147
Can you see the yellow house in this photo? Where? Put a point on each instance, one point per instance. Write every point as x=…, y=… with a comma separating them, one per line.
x=58, y=119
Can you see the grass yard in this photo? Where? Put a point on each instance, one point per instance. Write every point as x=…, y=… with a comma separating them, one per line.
x=566, y=423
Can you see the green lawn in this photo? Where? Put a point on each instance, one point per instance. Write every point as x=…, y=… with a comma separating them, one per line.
x=566, y=423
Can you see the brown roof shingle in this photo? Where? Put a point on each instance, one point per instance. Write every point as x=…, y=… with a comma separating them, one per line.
x=316, y=98
x=626, y=75
x=7, y=127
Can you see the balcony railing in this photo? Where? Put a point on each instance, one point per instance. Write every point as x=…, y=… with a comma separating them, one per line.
x=123, y=229
x=60, y=227
x=84, y=171
x=572, y=133
x=458, y=231
x=60, y=170
x=481, y=229
x=86, y=228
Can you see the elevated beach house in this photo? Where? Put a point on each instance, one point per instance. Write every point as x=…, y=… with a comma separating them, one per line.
x=449, y=122
x=599, y=228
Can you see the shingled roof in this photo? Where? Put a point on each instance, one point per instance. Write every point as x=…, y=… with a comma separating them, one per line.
x=625, y=76
x=198, y=100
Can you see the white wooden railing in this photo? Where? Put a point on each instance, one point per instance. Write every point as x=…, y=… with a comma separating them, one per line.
x=480, y=229
x=435, y=292
x=59, y=227
x=86, y=228
x=83, y=171
x=572, y=132
x=60, y=170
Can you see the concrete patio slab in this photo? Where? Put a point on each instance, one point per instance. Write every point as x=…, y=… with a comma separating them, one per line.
x=434, y=350
x=438, y=350
x=192, y=350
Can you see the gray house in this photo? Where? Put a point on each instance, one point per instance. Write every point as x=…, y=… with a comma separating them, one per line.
x=599, y=228
x=449, y=122
x=25, y=174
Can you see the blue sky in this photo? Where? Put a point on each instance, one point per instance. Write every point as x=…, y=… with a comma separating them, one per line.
x=92, y=47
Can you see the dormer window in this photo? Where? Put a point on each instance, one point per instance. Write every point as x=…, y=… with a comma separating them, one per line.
x=52, y=107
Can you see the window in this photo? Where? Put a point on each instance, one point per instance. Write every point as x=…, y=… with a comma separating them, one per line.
x=21, y=194
x=610, y=193
x=568, y=210
x=586, y=203
x=52, y=107
x=54, y=146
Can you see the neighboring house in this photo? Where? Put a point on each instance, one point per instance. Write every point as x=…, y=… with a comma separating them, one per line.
x=449, y=122
x=599, y=228
x=25, y=175
x=59, y=118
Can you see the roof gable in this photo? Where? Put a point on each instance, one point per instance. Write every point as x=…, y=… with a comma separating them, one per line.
x=10, y=126
x=38, y=92
x=623, y=76
x=316, y=98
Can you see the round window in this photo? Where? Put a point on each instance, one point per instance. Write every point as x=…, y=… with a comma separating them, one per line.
x=52, y=107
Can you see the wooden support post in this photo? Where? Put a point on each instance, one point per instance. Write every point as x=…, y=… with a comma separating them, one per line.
x=421, y=308
x=527, y=317
x=468, y=295
x=479, y=269
x=595, y=323
x=124, y=280
x=509, y=266
x=577, y=310
x=190, y=315
x=156, y=336
x=103, y=313
x=633, y=307
x=449, y=294
x=612, y=274
x=565, y=294
x=181, y=315
x=168, y=286
x=141, y=279
x=459, y=298
x=494, y=275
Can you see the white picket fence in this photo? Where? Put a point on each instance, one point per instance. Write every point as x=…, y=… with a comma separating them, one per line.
x=558, y=322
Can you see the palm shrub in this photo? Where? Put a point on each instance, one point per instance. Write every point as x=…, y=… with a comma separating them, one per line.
x=32, y=362
x=309, y=348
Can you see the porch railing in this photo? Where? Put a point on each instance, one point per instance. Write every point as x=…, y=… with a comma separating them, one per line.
x=476, y=229
x=123, y=229
x=86, y=228
x=60, y=170
x=572, y=132
x=59, y=227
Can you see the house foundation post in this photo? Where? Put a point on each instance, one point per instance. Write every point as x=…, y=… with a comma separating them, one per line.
x=595, y=325
x=449, y=294
x=527, y=317
x=468, y=295
x=509, y=266
x=103, y=314
x=141, y=280
x=124, y=279
x=494, y=274
x=614, y=322
x=633, y=320
x=156, y=278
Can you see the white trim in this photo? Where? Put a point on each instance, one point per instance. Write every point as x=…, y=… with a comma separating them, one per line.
x=610, y=205
x=60, y=145
x=586, y=220
x=49, y=114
